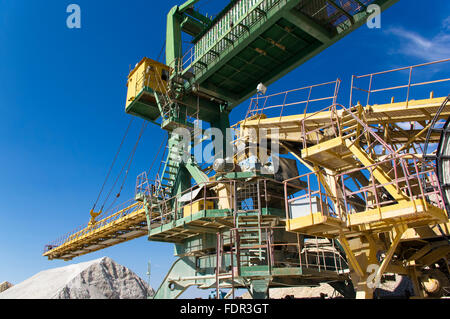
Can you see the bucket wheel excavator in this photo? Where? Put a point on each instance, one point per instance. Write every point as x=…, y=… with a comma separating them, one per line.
x=251, y=218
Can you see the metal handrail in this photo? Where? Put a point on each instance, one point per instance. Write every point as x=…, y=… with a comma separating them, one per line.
x=87, y=229
x=318, y=256
x=193, y=55
x=257, y=110
x=408, y=86
x=411, y=178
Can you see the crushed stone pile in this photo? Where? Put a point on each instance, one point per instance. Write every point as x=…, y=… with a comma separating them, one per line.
x=5, y=286
x=97, y=279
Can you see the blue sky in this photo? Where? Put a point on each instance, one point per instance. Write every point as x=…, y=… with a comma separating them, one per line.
x=62, y=95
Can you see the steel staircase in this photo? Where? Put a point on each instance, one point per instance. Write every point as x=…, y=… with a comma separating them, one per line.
x=166, y=178
x=252, y=239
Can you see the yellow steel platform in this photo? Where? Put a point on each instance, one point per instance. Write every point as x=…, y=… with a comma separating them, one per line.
x=295, y=128
x=122, y=226
x=416, y=213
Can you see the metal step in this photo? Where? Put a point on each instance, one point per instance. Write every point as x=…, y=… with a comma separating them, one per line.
x=171, y=173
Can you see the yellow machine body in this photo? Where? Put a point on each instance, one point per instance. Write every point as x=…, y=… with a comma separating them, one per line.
x=197, y=206
x=148, y=75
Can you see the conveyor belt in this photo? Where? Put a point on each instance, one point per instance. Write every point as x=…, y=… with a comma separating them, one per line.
x=123, y=225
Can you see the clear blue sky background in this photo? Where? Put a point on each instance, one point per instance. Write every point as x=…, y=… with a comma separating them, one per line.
x=62, y=95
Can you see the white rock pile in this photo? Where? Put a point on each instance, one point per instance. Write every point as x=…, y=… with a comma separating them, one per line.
x=97, y=279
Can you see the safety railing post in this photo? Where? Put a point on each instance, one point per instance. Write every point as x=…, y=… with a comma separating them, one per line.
x=337, y=199
x=232, y=261
x=419, y=180
x=322, y=210
x=317, y=252
x=375, y=192
x=351, y=91
x=346, y=212
x=370, y=89
x=299, y=249
x=309, y=196
x=265, y=194
x=409, y=86
x=217, y=265
x=324, y=259
x=176, y=209
x=286, y=202
x=334, y=256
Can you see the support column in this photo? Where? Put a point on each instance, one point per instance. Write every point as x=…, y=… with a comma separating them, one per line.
x=344, y=288
x=183, y=267
x=399, y=231
x=413, y=274
x=222, y=122
x=358, y=254
x=260, y=288
x=173, y=38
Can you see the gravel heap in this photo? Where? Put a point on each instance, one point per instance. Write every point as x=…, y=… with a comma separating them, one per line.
x=5, y=286
x=97, y=279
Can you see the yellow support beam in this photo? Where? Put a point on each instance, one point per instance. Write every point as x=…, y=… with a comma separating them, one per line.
x=400, y=229
x=351, y=257
x=378, y=173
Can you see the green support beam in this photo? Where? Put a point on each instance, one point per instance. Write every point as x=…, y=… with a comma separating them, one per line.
x=308, y=25
x=182, y=267
x=288, y=10
x=196, y=173
x=260, y=288
x=191, y=26
x=314, y=50
x=243, y=42
x=173, y=38
x=187, y=5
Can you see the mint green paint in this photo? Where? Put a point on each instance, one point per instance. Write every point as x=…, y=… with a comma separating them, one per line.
x=286, y=9
x=173, y=38
x=197, y=174
x=260, y=288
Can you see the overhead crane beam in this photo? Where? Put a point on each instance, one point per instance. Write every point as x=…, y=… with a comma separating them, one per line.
x=341, y=10
x=304, y=37
x=308, y=25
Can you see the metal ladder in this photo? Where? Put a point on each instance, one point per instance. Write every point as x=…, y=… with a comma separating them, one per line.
x=167, y=176
x=253, y=240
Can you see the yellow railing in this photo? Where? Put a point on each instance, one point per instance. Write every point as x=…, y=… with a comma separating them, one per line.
x=83, y=231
